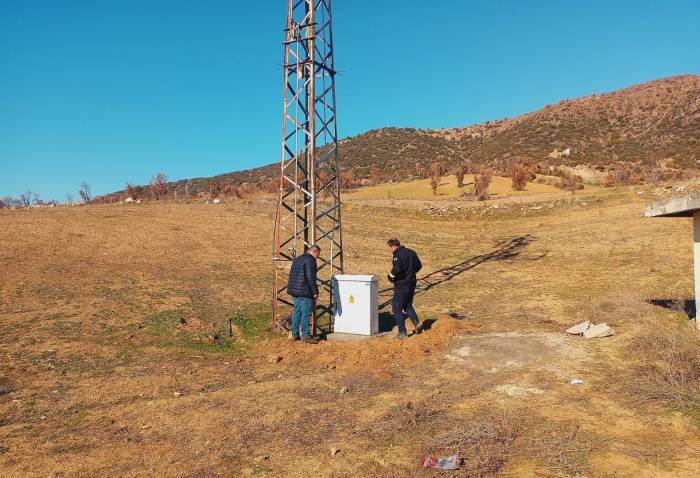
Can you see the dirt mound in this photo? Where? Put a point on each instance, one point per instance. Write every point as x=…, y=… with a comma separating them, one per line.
x=379, y=351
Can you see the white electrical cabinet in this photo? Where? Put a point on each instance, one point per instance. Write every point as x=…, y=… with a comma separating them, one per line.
x=356, y=304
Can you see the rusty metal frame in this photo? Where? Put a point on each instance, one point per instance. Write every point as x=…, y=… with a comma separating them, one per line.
x=308, y=210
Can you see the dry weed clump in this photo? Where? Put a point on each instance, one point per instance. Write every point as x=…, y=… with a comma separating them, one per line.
x=564, y=451
x=486, y=443
x=493, y=438
x=407, y=416
x=624, y=306
x=669, y=366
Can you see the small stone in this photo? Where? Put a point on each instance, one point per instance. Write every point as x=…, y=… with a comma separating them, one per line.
x=177, y=394
x=598, y=331
x=43, y=417
x=262, y=458
x=334, y=451
x=274, y=358
x=344, y=390
x=145, y=427
x=279, y=377
x=578, y=329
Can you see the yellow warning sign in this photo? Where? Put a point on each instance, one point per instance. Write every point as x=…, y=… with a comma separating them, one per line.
x=352, y=299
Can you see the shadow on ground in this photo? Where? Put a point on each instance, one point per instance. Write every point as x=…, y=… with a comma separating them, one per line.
x=687, y=306
x=503, y=250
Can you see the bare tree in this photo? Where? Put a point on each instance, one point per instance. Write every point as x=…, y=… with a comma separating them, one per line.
x=654, y=172
x=25, y=199
x=69, y=198
x=36, y=199
x=133, y=191
x=437, y=169
x=375, y=176
x=420, y=170
x=519, y=174
x=460, y=173
x=159, y=186
x=215, y=189
x=482, y=180
x=434, y=183
x=84, y=192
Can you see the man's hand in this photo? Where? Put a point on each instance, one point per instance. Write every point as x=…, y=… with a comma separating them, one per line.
x=391, y=279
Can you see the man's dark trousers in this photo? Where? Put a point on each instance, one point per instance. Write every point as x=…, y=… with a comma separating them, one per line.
x=403, y=301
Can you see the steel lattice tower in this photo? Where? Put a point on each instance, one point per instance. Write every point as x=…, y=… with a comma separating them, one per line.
x=308, y=211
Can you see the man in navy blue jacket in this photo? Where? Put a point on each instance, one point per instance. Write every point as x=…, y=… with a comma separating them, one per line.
x=303, y=288
x=403, y=275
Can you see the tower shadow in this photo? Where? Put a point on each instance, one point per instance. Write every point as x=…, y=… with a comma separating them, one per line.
x=503, y=250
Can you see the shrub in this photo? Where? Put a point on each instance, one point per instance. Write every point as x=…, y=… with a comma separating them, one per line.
x=619, y=177
x=347, y=179
x=669, y=372
x=231, y=191
x=570, y=182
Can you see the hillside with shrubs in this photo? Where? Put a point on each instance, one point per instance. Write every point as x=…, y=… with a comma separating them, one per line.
x=644, y=133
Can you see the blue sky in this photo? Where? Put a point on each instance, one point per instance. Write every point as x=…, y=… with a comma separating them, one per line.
x=114, y=91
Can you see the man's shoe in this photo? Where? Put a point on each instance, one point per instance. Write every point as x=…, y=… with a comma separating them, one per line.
x=296, y=338
x=401, y=336
x=310, y=340
x=416, y=328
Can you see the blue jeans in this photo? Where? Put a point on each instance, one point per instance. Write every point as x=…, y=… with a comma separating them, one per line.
x=302, y=314
x=403, y=301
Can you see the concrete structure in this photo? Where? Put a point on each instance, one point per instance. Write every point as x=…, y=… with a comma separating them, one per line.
x=687, y=206
x=357, y=304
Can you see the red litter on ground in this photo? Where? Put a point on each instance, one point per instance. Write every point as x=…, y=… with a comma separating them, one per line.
x=442, y=463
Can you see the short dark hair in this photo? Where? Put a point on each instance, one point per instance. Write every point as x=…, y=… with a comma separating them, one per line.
x=314, y=248
x=393, y=243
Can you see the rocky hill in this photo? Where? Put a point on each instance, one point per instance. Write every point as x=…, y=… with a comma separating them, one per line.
x=657, y=122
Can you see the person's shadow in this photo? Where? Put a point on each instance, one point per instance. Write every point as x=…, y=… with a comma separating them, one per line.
x=387, y=322
x=503, y=250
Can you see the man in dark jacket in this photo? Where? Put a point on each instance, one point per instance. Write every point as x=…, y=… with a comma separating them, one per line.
x=403, y=275
x=303, y=288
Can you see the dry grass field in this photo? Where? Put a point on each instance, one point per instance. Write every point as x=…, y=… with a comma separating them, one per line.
x=116, y=358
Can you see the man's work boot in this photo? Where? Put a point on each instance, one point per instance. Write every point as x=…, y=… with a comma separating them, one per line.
x=310, y=340
x=401, y=336
x=416, y=327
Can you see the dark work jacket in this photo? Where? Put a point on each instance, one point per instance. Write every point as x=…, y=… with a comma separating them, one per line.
x=405, y=266
x=302, y=277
